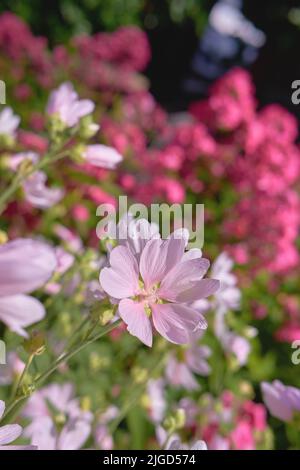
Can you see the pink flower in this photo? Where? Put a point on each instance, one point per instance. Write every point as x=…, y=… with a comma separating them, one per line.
x=58, y=423
x=156, y=291
x=102, y=436
x=11, y=370
x=242, y=437
x=73, y=242
x=37, y=193
x=9, y=122
x=157, y=402
x=10, y=433
x=16, y=159
x=179, y=371
x=25, y=265
x=65, y=103
x=102, y=156
x=281, y=400
x=228, y=296
x=176, y=444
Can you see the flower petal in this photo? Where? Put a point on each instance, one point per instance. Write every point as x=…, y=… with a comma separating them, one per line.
x=158, y=258
x=182, y=278
x=25, y=265
x=175, y=322
x=121, y=279
x=9, y=433
x=199, y=290
x=20, y=311
x=74, y=435
x=135, y=317
x=102, y=156
x=2, y=408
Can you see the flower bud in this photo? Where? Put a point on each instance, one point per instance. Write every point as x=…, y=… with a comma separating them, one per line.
x=87, y=128
x=35, y=345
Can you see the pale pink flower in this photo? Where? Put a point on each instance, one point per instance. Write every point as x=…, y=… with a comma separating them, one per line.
x=65, y=103
x=228, y=295
x=52, y=405
x=25, y=265
x=72, y=240
x=102, y=156
x=157, y=402
x=64, y=261
x=10, y=433
x=9, y=122
x=16, y=159
x=281, y=400
x=12, y=369
x=193, y=359
x=237, y=345
x=156, y=290
x=37, y=193
x=102, y=436
x=176, y=444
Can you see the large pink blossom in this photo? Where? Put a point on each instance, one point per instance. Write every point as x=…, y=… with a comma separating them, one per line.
x=25, y=265
x=156, y=290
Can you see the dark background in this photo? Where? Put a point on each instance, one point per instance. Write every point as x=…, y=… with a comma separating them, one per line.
x=174, y=32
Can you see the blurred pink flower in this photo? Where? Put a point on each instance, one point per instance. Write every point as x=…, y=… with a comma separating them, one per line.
x=25, y=265
x=102, y=156
x=281, y=400
x=55, y=405
x=12, y=369
x=9, y=122
x=37, y=193
x=64, y=102
x=16, y=159
x=10, y=433
x=156, y=290
x=176, y=444
x=193, y=359
x=157, y=401
x=242, y=437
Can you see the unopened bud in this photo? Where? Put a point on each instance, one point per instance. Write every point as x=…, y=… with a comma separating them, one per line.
x=87, y=128
x=35, y=345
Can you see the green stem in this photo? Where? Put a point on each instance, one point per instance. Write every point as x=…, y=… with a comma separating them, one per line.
x=135, y=396
x=22, y=376
x=63, y=358
x=20, y=178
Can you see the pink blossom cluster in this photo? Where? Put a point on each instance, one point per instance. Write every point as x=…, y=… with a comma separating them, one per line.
x=227, y=423
x=258, y=154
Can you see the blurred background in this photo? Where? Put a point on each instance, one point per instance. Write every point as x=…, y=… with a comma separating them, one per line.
x=183, y=37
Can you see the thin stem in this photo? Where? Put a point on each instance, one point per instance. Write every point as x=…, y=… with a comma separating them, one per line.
x=65, y=357
x=135, y=396
x=19, y=178
x=73, y=336
x=24, y=372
